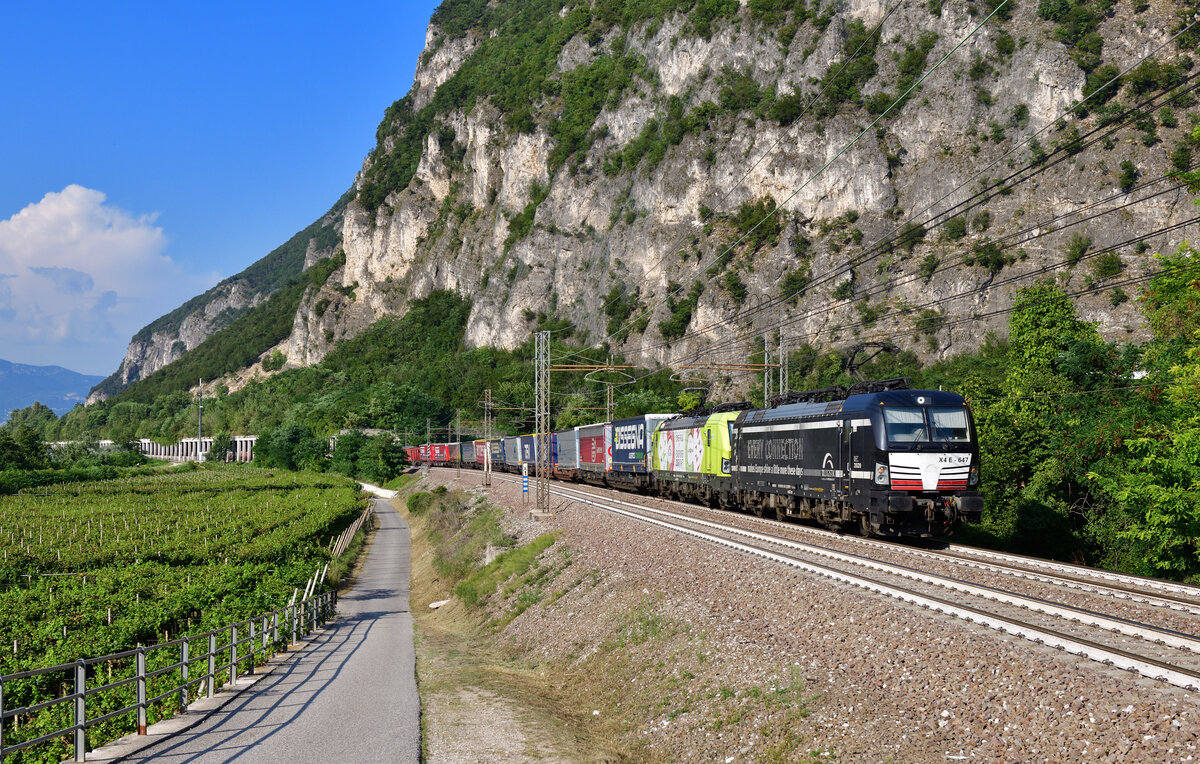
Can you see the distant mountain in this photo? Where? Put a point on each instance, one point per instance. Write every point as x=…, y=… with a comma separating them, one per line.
x=53, y=386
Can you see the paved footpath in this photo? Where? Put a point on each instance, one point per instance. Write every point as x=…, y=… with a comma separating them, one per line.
x=350, y=696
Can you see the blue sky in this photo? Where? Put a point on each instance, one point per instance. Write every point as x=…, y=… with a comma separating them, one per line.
x=148, y=150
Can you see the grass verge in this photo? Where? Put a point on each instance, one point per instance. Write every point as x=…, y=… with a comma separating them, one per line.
x=460, y=668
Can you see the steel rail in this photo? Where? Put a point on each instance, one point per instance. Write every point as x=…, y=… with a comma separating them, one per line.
x=1125, y=586
x=1069, y=612
x=1142, y=665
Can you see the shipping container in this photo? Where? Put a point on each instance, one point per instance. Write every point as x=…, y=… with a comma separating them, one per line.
x=529, y=449
x=496, y=447
x=467, y=452
x=512, y=453
x=566, y=455
x=481, y=449
x=593, y=447
x=437, y=453
x=452, y=453
x=631, y=442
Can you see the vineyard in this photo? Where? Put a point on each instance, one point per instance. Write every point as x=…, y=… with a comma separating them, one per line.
x=90, y=569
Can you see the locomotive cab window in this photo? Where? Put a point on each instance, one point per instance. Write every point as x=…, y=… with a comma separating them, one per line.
x=905, y=424
x=949, y=425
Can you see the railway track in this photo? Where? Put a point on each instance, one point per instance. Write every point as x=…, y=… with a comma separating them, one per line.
x=1059, y=605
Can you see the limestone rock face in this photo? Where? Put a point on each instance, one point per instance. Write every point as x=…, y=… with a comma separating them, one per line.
x=143, y=357
x=169, y=337
x=843, y=182
x=615, y=237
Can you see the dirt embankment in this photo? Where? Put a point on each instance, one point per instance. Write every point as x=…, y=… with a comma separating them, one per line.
x=622, y=642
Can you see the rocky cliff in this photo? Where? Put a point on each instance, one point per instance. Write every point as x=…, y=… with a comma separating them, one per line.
x=913, y=227
x=169, y=337
x=684, y=178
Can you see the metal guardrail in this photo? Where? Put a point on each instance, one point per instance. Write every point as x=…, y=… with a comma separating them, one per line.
x=262, y=632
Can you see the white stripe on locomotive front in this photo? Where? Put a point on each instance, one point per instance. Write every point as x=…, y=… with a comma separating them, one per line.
x=823, y=425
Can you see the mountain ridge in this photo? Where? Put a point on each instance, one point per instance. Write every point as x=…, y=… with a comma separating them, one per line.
x=55, y=387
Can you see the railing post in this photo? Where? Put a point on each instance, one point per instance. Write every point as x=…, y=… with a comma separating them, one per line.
x=212, y=664
x=266, y=632
x=293, y=609
x=232, y=653
x=275, y=627
x=141, y=690
x=183, y=674
x=251, y=642
x=80, y=710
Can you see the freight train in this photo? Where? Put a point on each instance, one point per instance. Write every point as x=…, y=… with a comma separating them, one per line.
x=878, y=458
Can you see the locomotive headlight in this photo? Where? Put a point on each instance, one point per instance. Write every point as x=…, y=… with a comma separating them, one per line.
x=881, y=474
x=973, y=478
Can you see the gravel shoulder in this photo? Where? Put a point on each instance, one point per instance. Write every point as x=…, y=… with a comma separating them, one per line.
x=646, y=646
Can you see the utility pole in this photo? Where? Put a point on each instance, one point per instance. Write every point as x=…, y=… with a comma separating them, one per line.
x=428, y=435
x=541, y=395
x=487, y=436
x=199, y=419
x=458, y=440
x=766, y=371
x=783, y=386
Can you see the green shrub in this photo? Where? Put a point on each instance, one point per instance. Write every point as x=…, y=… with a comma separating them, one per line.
x=911, y=235
x=759, y=222
x=1181, y=157
x=929, y=267
x=794, y=283
x=988, y=254
x=1077, y=246
x=275, y=361
x=869, y=313
x=1107, y=265
x=955, y=228
x=982, y=221
x=520, y=225
x=1005, y=45
x=419, y=502
x=844, y=290
x=1129, y=176
x=681, y=311
x=929, y=322
x=733, y=284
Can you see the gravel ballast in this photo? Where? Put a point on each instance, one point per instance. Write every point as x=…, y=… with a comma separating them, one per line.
x=705, y=654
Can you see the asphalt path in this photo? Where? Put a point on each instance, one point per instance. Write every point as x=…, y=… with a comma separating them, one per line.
x=350, y=696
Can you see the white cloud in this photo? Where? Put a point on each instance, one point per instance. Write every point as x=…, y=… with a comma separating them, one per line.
x=78, y=277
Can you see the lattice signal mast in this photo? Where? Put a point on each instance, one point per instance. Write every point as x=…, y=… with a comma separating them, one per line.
x=541, y=395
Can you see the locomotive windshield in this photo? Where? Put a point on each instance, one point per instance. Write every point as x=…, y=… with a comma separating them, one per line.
x=916, y=424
